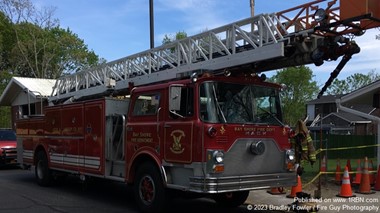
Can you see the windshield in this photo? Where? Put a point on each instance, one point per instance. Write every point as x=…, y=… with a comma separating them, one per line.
x=222, y=102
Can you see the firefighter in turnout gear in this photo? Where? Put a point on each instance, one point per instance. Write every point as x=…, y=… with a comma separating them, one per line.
x=303, y=146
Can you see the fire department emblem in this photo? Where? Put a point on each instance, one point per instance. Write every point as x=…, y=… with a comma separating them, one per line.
x=177, y=135
x=222, y=130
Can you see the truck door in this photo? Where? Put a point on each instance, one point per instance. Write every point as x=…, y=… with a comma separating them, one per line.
x=93, y=147
x=179, y=126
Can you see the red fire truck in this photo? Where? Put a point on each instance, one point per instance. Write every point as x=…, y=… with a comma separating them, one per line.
x=195, y=115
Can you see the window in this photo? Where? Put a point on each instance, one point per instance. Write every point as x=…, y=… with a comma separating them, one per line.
x=146, y=105
x=181, y=101
x=222, y=102
x=187, y=102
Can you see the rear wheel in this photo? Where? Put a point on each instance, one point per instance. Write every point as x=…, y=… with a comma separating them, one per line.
x=231, y=199
x=149, y=189
x=42, y=171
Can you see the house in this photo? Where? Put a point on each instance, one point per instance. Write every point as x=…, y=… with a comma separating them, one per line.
x=26, y=96
x=322, y=106
x=324, y=112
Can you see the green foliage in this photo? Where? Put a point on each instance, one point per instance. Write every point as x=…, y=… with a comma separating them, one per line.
x=5, y=111
x=352, y=82
x=33, y=45
x=48, y=53
x=170, y=38
x=299, y=88
x=180, y=35
x=7, y=40
x=72, y=54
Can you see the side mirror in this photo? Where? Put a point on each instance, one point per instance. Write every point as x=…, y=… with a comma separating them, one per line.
x=175, y=98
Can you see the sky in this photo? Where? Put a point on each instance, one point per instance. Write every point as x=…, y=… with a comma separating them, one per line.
x=115, y=29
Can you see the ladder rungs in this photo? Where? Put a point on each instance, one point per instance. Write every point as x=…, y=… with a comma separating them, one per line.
x=231, y=45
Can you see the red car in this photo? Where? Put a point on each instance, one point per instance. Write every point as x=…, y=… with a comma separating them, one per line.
x=8, y=151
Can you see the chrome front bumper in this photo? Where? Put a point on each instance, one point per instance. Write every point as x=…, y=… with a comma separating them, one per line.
x=241, y=183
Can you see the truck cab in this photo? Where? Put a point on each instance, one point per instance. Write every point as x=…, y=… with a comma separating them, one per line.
x=217, y=135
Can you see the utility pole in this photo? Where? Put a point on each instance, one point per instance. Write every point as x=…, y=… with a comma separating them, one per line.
x=252, y=3
x=151, y=18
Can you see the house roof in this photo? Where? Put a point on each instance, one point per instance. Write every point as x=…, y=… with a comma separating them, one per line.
x=37, y=87
x=349, y=117
x=368, y=109
x=362, y=95
x=324, y=99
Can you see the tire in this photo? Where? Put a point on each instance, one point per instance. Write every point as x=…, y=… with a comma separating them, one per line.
x=231, y=199
x=42, y=171
x=149, y=190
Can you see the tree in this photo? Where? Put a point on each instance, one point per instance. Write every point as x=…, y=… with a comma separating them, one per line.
x=72, y=53
x=41, y=48
x=49, y=53
x=18, y=11
x=352, y=82
x=5, y=111
x=299, y=88
x=7, y=41
x=178, y=36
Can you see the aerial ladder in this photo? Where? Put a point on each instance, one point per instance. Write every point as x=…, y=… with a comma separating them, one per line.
x=311, y=33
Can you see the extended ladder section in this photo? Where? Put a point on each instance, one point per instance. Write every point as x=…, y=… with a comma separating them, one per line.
x=264, y=42
x=231, y=45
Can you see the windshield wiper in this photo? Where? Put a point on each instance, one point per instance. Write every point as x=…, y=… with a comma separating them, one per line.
x=272, y=115
x=218, y=105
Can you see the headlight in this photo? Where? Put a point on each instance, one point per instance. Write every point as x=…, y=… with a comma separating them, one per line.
x=290, y=160
x=218, y=156
x=215, y=161
x=290, y=155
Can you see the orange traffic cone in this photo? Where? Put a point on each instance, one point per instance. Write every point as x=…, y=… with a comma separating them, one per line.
x=296, y=188
x=358, y=175
x=276, y=191
x=345, y=189
x=323, y=164
x=372, y=177
x=338, y=173
x=365, y=187
x=377, y=184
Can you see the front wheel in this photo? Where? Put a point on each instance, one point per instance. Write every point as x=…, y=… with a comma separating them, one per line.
x=231, y=199
x=149, y=189
x=42, y=171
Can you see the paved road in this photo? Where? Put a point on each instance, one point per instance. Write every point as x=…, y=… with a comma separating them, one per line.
x=20, y=193
x=329, y=203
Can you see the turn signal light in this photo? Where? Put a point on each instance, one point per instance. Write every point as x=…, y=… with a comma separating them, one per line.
x=218, y=168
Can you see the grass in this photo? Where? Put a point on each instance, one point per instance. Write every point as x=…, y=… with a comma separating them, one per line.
x=310, y=172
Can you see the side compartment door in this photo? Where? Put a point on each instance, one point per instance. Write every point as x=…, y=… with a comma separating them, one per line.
x=142, y=130
x=72, y=135
x=93, y=153
x=53, y=140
